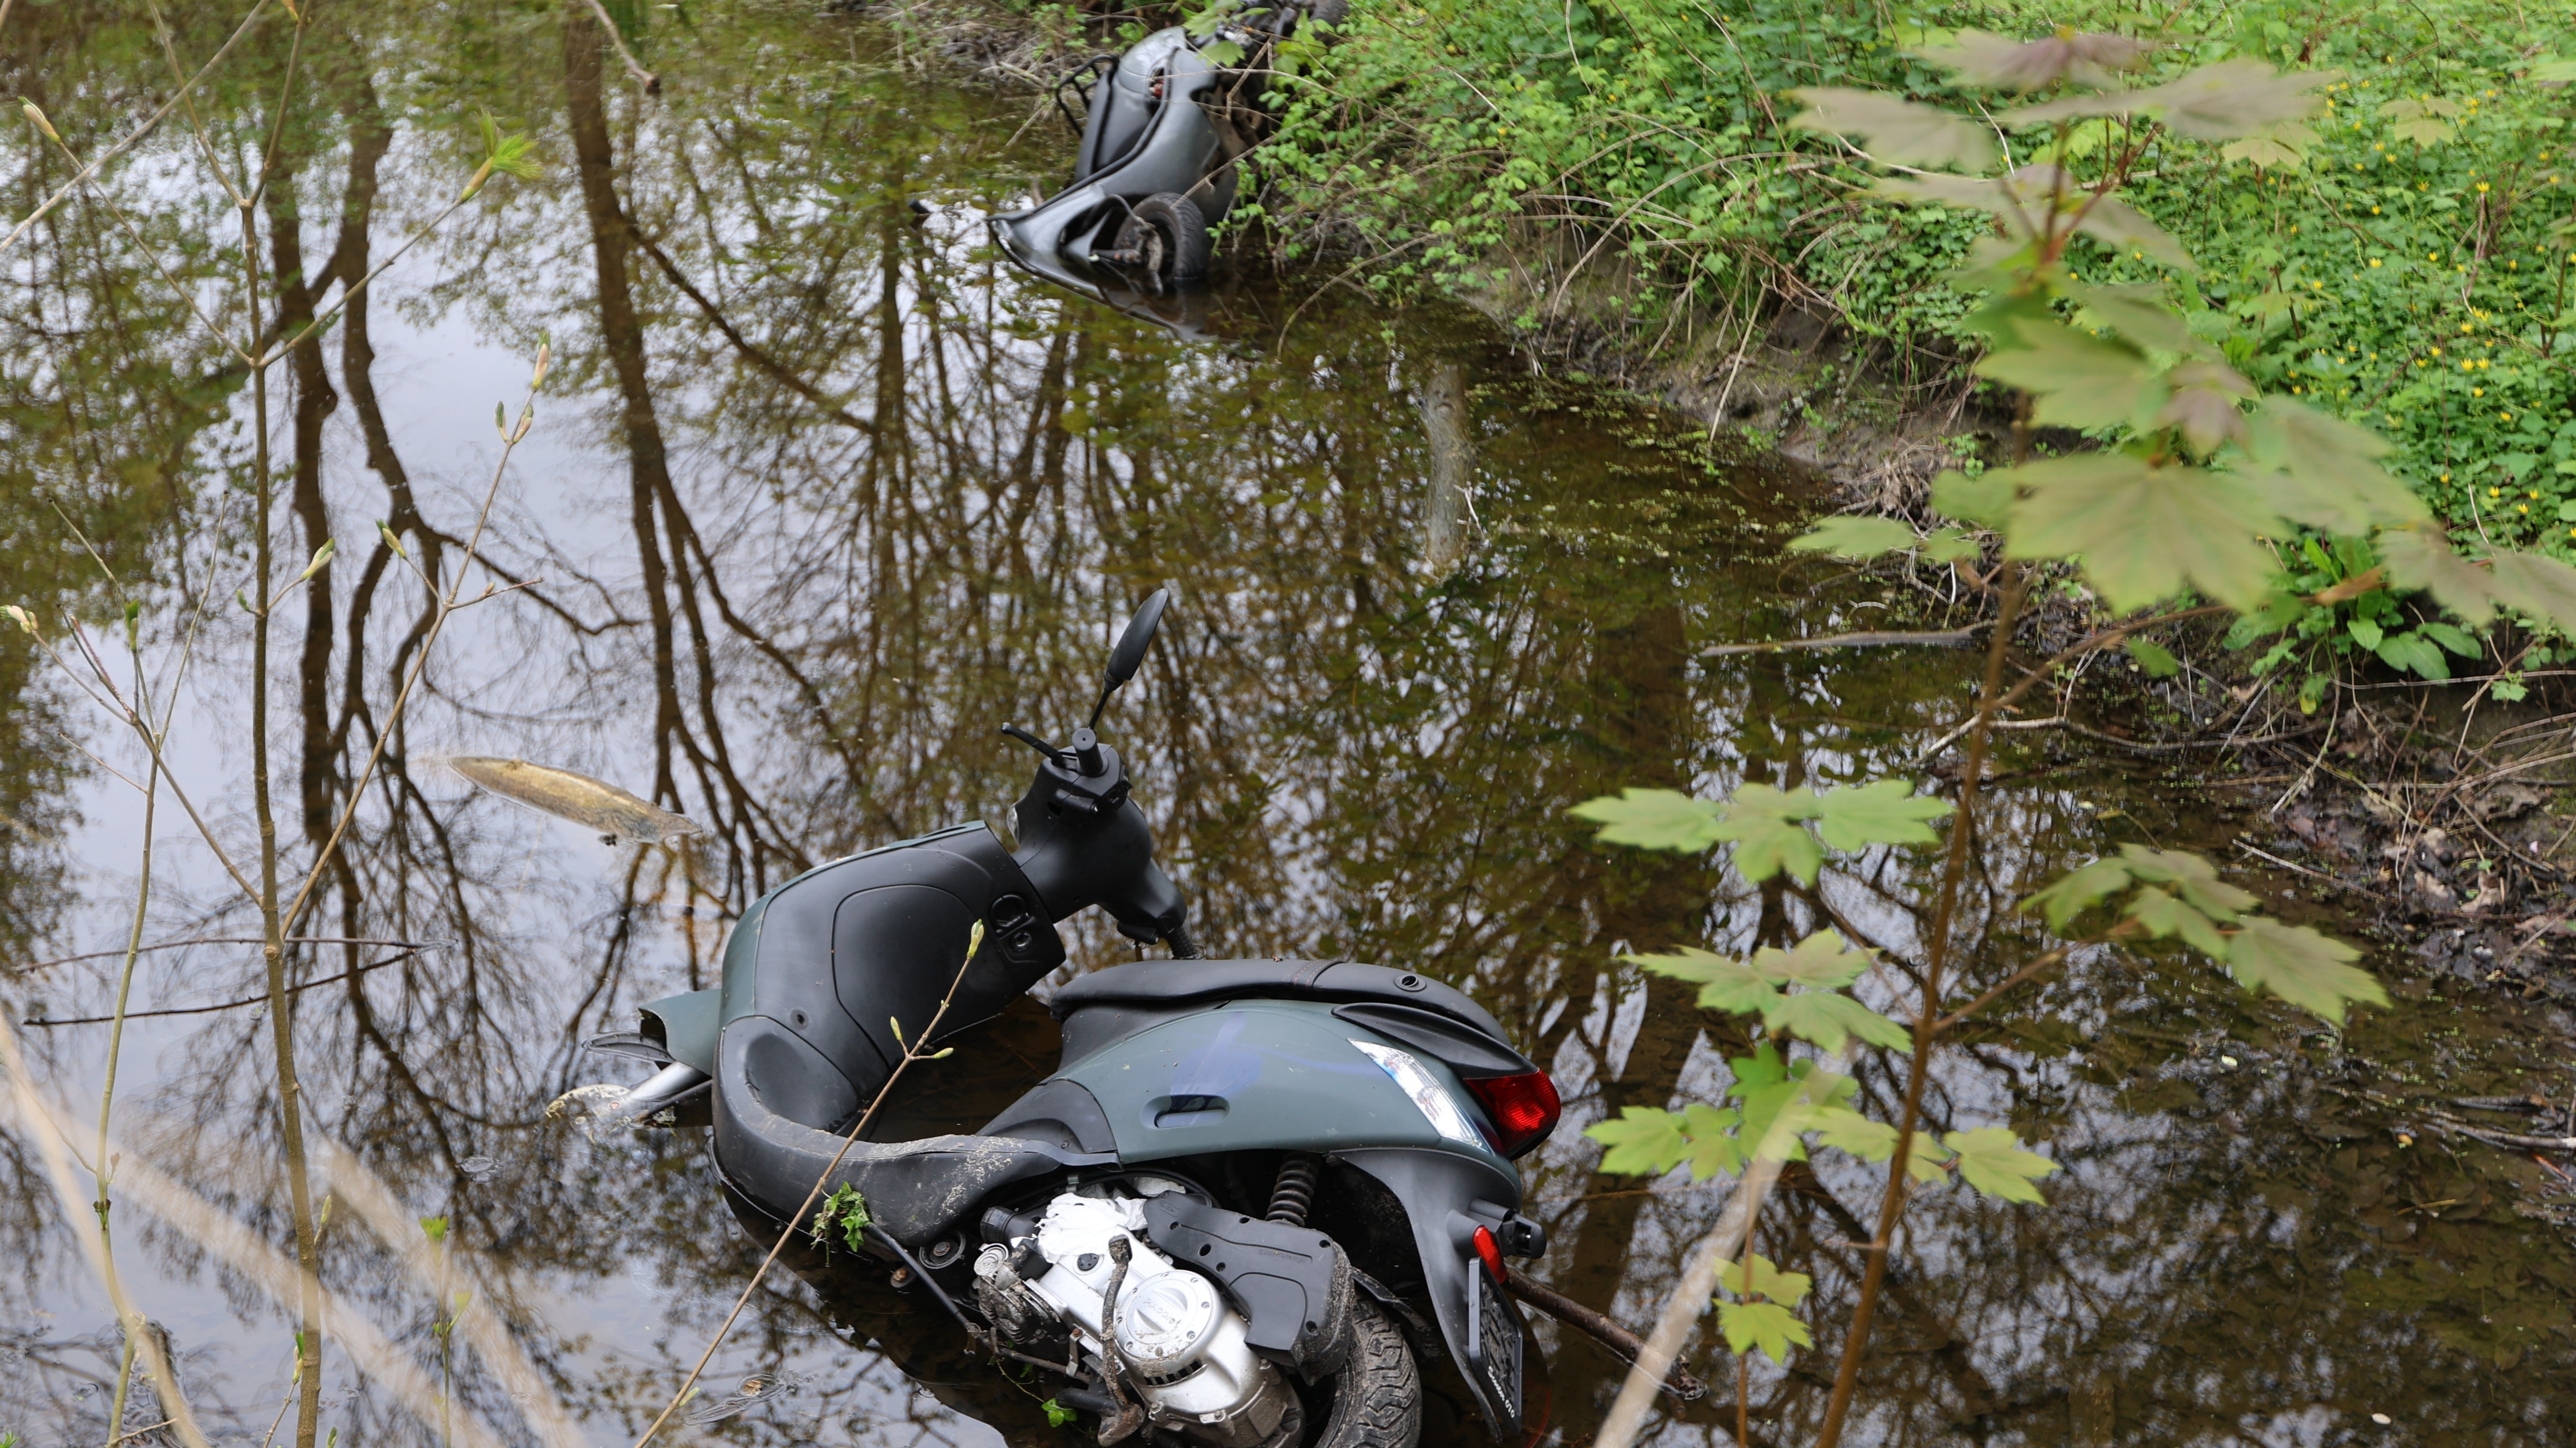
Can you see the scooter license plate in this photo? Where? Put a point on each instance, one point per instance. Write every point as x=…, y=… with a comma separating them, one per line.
x=1498, y=1346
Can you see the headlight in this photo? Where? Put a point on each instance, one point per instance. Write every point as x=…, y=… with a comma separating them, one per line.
x=1438, y=1106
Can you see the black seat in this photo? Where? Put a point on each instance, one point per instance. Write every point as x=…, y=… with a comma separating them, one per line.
x=1177, y=982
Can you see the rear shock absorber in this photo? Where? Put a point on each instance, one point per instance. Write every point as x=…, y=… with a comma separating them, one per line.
x=1295, y=1191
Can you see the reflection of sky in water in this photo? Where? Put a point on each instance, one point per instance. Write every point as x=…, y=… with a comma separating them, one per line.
x=1342, y=754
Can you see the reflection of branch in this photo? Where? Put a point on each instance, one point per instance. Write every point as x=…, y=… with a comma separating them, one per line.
x=257, y=1000
x=652, y=83
x=775, y=370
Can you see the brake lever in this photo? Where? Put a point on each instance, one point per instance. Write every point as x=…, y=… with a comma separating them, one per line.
x=1032, y=741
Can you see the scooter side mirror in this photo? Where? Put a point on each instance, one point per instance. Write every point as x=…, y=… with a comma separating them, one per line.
x=1125, y=659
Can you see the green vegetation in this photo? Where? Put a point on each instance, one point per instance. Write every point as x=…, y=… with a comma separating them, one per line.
x=2176, y=517
x=2400, y=256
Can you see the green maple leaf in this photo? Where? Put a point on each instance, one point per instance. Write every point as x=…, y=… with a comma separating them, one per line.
x=1844, y=1129
x=2419, y=557
x=1831, y=1019
x=2325, y=471
x=2308, y=970
x=2540, y=587
x=1765, y=1280
x=1765, y=826
x=2195, y=877
x=1714, y=1148
x=1929, y=1161
x=2165, y=916
x=1768, y=1100
x=2140, y=314
x=1950, y=545
x=1764, y=1325
x=1855, y=537
x=1644, y=1141
x=2142, y=532
x=1725, y=985
x=1985, y=500
x=1752, y=1073
x=1882, y=812
x=2078, y=380
x=1652, y=819
x=1896, y=130
x=1992, y=1160
x=2078, y=892
x=1822, y=961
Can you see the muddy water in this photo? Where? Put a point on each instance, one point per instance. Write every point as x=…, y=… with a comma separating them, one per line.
x=820, y=494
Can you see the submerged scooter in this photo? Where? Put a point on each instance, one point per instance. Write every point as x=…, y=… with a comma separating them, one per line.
x=1165, y=124
x=1217, y=1215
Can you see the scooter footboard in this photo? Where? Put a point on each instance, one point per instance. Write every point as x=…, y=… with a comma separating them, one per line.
x=1447, y=1197
x=915, y=1190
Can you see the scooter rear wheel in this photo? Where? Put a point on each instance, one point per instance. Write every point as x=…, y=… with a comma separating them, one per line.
x=1377, y=1395
x=1168, y=236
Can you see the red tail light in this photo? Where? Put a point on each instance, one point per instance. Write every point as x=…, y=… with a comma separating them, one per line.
x=1524, y=1109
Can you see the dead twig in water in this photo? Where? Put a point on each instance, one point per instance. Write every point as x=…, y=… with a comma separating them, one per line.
x=651, y=83
x=1957, y=638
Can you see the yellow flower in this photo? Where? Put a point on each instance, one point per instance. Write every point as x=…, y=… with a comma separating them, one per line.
x=2482, y=186
x=2374, y=261
x=2477, y=392
x=2437, y=351
x=2507, y=416
x=2534, y=495
x=2374, y=211
x=2522, y=507
x=2491, y=492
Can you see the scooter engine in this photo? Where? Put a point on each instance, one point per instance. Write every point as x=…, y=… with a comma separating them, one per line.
x=1163, y=1342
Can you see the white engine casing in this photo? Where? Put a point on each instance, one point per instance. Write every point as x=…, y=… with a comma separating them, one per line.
x=1185, y=1349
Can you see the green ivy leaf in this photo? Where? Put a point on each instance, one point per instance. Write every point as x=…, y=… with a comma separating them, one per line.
x=2309, y=970
x=1725, y=985
x=1765, y=1280
x=1765, y=826
x=2195, y=877
x=1764, y=1325
x=1653, y=819
x=1644, y=1141
x=2365, y=632
x=2165, y=916
x=2079, y=892
x=1855, y=537
x=1992, y=1160
x=1882, y=812
x=2142, y=531
x=1822, y=961
x=1831, y=1019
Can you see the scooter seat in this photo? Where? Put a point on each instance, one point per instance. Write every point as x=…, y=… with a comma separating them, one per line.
x=1178, y=982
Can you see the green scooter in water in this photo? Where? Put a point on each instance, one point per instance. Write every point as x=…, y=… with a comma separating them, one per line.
x=1215, y=1217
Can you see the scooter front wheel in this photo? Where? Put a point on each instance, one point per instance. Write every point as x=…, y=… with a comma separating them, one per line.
x=1168, y=237
x=1377, y=1394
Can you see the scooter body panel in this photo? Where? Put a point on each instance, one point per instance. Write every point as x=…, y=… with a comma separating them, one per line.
x=1266, y=1075
x=1151, y=145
